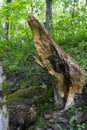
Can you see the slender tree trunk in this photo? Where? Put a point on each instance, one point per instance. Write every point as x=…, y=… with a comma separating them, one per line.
x=66, y=75
x=73, y=10
x=7, y=30
x=49, y=16
x=3, y=108
x=7, y=23
x=2, y=78
x=86, y=2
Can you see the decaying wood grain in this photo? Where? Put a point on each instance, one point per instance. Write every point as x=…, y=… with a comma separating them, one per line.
x=66, y=76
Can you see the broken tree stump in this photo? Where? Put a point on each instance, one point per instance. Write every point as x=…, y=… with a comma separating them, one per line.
x=66, y=75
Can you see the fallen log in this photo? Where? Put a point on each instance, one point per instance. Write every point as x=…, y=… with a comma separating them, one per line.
x=66, y=75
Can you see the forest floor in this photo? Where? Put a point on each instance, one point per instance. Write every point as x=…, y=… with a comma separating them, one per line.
x=59, y=120
x=35, y=110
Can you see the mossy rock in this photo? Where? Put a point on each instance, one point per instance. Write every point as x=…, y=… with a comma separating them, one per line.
x=21, y=102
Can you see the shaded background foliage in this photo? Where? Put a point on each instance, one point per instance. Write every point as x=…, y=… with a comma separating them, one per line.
x=69, y=30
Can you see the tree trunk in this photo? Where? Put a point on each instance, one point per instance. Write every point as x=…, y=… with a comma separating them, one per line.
x=7, y=23
x=73, y=10
x=86, y=2
x=3, y=107
x=2, y=80
x=66, y=76
x=48, y=25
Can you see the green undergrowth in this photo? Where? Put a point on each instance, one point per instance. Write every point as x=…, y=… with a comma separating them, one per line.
x=43, y=109
x=47, y=107
x=72, y=113
x=78, y=109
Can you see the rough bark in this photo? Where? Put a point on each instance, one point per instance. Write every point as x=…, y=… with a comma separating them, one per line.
x=66, y=75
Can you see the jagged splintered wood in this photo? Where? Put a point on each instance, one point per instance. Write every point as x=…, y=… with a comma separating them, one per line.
x=66, y=75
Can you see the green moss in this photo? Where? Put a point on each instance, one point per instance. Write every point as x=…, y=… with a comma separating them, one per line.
x=3, y=103
x=34, y=94
x=26, y=93
x=14, y=96
x=4, y=89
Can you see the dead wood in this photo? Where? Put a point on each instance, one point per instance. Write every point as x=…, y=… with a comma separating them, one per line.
x=66, y=75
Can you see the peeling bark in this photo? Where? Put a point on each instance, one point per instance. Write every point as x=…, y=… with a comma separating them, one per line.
x=66, y=75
